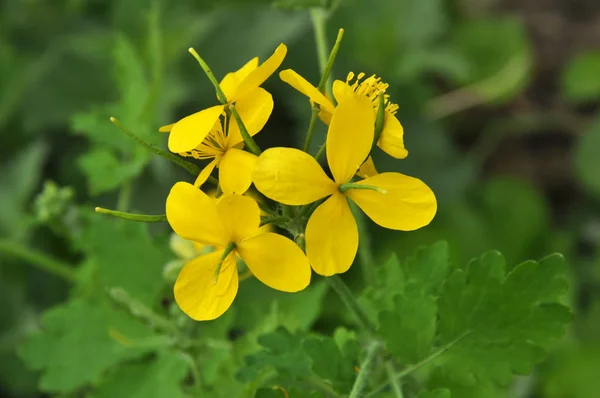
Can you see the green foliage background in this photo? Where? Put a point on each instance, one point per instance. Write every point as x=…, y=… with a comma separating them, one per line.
x=501, y=119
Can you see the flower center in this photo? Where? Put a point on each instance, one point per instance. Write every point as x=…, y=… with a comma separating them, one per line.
x=214, y=144
x=371, y=87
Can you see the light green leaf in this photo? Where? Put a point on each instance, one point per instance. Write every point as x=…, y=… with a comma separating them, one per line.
x=126, y=256
x=78, y=343
x=105, y=172
x=160, y=377
x=581, y=78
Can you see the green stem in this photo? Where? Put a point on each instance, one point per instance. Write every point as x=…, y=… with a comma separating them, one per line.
x=318, y=17
x=311, y=127
x=210, y=75
x=195, y=373
x=189, y=167
x=142, y=312
x=39, y=260
x=131, y=216
x=321, y=152
x=248, y=140
x=365, y=369
x=274, y=220
x=379, y=120
x=367, y=262
x=319, y=384
x=411, y=368
x=391, y=372
x=228, y=249
x=326, y=80
x=124, y=196
x=338, y=285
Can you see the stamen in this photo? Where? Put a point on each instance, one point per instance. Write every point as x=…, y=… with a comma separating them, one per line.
x=371, y=87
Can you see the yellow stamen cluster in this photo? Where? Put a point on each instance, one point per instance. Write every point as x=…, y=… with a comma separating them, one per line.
x=371, y=87
x=213, y=145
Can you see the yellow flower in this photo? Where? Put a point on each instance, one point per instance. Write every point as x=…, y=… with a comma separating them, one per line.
x=391, y=139
x=207, y=285
x=253, y=103
x=235, y=165
x=392, y=200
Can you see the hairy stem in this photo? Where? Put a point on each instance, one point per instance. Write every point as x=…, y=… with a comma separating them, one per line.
x=365, y=369
x=338, y=285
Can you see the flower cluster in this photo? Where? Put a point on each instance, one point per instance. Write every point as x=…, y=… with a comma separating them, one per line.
x=360, y=118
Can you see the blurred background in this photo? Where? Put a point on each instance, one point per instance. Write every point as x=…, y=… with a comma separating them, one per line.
x=500, y=104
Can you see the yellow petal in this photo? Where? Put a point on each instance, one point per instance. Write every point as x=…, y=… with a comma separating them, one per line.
x=301, y=84
x=409, y=204
x=276, y=261
x=240, y=216
x=167, y=128
x=325, y=116
x=254, y=110
x=235, y=171
x=196, y=292
x=367, y=169
x=332, y=237
x=193, y=215
x=291, y=177
x=391, y=140
x=260, y=74
x=232, y=80
x=342, y=91
x=350, y=137
x=205, y=173
x=189, y=132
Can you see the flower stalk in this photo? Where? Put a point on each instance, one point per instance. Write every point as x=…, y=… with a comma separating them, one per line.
x=248, y=140
x=189, y=167
x=210, y=75
x=149, y=218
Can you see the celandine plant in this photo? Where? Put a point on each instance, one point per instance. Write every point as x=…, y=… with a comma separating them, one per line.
x=425, y=328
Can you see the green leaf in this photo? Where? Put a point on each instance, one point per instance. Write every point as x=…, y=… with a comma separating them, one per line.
x=517, y=216
x=78, y=343
x=329, y=363
x=22, y=175
x=499, y=324
x=160, y=377
x=499, y=53
x=410, y=329
x=126, y=256
x=439, y=393
x=283, y=351
x=581, y=78
x=105, y=172
x=587, y=161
